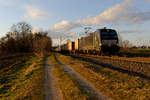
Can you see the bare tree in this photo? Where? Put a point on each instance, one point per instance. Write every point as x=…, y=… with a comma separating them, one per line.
x=24, y=41
x=42, y=43
x=21, y=28
x=126, y=44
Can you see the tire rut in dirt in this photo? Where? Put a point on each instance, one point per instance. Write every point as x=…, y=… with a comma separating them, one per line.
x=82, y=81
x=53, y=91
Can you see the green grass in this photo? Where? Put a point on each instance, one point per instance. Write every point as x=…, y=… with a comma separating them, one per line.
x=23, y=81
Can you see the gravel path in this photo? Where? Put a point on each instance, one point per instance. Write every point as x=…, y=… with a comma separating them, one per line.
x=53, y=92
x=83, y=82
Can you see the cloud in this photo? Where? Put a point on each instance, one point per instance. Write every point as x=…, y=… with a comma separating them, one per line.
x=66, y=26
x=54, y=34
x=35, y=13
x=37, y=29
x=60, y=37
x=141, y=17
x=124, y=12
x=117, y=13
x=59, y=34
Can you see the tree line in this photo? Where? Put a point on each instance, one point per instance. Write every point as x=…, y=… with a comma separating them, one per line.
x=20, y=39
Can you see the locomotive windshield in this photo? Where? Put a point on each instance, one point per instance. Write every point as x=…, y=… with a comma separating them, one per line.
x=109, y=35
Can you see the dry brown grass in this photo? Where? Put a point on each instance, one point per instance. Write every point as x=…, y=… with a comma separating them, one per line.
x=24, y=81
x=8, y=61
x=137, y=68
x=119, y=86
x=136, y=59
x=71, y=89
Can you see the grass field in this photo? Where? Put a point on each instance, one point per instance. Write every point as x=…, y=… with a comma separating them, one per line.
x=117, y=85
x=71, y=89
x=130, y=52
x=24, y=81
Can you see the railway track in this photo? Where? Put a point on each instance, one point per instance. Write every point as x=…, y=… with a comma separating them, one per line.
x=131, y=67
x=109, y=77
x=142, y=60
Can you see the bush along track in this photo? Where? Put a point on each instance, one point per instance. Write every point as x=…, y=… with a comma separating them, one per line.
x=118, y=85
x=70, y=87
x=24, y=81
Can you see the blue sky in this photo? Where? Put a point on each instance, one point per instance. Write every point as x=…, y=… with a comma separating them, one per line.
x=131, y=18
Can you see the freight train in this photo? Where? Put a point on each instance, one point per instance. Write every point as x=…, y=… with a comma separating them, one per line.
x=102, y=41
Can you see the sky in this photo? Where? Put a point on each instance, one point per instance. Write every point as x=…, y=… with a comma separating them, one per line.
x=66, y=19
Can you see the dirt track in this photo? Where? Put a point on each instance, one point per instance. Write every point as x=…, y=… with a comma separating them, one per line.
x=53, y=91
x=93, y=77
x=83, y=82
